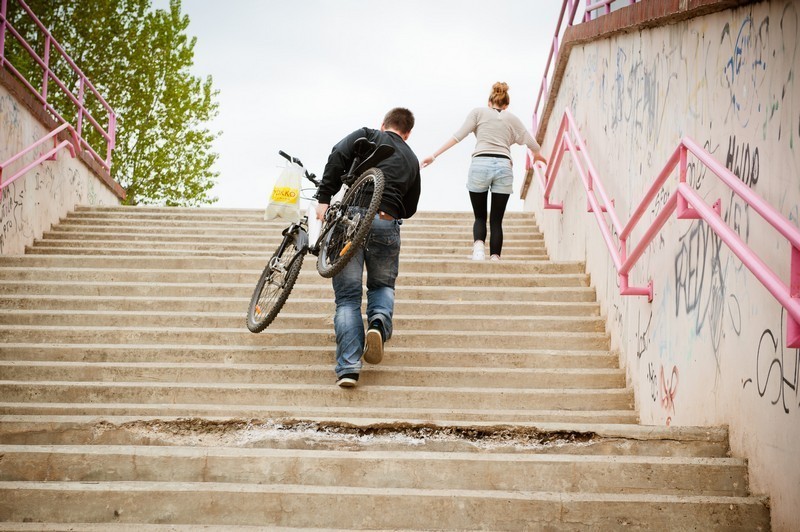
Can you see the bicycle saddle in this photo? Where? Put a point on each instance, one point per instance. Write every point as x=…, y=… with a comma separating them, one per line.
x=382, y=152
x=363, y=147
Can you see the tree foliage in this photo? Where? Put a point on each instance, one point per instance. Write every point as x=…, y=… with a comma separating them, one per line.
x=140, y=60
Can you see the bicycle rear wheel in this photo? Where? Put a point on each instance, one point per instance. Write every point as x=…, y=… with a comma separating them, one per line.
x=348, y=226
x=273, y=288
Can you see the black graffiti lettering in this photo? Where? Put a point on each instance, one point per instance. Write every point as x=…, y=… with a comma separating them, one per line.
x=742, y=163
x=771, y=361
x=652, y=378
x=642, y=336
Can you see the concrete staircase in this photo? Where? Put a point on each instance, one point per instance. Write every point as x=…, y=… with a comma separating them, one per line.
x=131, y=393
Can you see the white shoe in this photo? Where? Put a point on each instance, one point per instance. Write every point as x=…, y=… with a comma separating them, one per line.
x=495, y=258
x=477, y=251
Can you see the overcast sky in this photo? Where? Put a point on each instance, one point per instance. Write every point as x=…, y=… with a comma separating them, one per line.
x=299, y=75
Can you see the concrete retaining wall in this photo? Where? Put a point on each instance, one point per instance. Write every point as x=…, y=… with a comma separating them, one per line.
x=33, y=203
x=710, y=348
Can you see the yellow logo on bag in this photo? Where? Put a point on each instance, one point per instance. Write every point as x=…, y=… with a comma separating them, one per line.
x=284, y=195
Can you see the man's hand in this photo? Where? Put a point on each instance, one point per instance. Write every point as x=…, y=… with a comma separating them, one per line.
x=321, y=209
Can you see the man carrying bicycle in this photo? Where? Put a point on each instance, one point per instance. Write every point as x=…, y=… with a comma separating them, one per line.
x=380, y=254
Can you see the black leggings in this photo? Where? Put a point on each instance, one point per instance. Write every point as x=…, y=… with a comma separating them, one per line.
x=499, y=202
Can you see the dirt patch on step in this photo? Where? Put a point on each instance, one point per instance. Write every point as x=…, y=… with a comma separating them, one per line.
x=330, y=434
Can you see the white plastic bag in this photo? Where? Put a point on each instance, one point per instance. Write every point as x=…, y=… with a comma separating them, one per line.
x=284, y=202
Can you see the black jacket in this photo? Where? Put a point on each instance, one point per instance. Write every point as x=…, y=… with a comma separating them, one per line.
x=400, y=170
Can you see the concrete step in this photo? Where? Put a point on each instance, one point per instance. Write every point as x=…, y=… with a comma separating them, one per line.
x=204, y=263
x=266, y=373
x=375, y=414
x=364, y=434
x=296, y=305
x=372, y=508
x=219, y=320
x=437, y=357
x=303, y=289
x=307, y=276
x=255, y=233
x=280, y=336
x=460, y=252
x=155, y=234
x=210, y=215
x=377, y=469
x=372, y=395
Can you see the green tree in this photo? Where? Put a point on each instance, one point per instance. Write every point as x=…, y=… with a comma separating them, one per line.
x=140, y=60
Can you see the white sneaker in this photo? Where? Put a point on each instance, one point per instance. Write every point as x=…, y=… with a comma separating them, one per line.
x=477, y=251
x=495, y=258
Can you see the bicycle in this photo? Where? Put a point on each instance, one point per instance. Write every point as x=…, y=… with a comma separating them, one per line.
x=344, y=230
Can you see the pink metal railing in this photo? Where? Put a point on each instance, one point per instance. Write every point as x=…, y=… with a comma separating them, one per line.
x=570, y=9
x=50, y=155
x=688, y=204
x=45, y=63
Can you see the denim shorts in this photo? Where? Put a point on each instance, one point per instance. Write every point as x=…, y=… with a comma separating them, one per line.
x=490, y=173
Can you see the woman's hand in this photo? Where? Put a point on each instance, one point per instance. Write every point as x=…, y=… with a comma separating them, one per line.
x=427, y=161
x=539, y=157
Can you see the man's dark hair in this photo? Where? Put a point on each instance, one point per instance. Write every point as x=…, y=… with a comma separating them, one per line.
x=400, y=119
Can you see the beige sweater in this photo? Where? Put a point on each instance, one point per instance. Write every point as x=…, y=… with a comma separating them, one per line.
x=495, y=131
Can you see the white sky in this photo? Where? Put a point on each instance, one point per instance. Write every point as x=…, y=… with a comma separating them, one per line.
x=299, y=75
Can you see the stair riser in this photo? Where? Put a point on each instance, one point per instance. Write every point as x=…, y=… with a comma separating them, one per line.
x=431, y=267
x=295, y=305
x=444, y=255
x=383, y=415
x=301, y=290
x=250, y=278
x=393, y=356
x=279, y=337
x=156, y=237
x=625, y=441
x=354, y=509
x=600, y=379
x=317, y=321
x=721, y=477
x=328, y=396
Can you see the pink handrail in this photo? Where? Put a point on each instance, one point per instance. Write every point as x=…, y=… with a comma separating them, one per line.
x=109, y=134
x=688, y=204
x=570, y=8
x=49, y=155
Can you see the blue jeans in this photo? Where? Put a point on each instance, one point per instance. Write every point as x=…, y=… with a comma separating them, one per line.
x=381, y=255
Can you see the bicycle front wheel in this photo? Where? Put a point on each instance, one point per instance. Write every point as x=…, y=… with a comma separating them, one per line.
x=347, y=229
x=273, y=288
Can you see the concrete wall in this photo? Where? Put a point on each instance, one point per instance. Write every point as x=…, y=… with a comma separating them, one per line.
x=710, y=348
x=33, y=203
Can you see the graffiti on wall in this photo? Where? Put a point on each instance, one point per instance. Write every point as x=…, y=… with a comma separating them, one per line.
x=777, y=371
x=640, y=94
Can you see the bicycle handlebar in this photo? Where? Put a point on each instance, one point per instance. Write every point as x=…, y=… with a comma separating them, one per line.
x=295, y=160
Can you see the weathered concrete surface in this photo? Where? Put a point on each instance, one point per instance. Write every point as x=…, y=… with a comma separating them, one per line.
x=132, y=394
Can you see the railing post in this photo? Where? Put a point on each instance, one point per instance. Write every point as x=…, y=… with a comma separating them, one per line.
x=683, y=205
x=3, y=14
x=79, y=127
x=112, y=136
x=792, y=326
x=46, y=68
